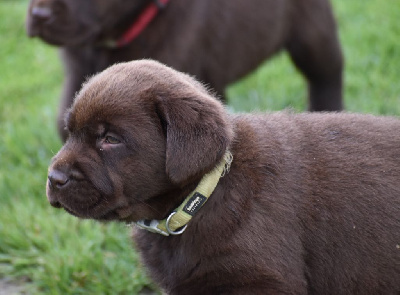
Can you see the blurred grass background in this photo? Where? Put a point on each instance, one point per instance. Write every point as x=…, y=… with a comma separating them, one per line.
x=58, y=254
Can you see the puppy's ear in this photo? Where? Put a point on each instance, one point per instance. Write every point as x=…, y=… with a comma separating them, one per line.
x=197, y=133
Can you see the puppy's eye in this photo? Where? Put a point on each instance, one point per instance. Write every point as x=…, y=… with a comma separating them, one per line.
x=111, y=139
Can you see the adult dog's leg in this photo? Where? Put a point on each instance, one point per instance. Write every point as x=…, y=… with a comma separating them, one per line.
x=315, y=49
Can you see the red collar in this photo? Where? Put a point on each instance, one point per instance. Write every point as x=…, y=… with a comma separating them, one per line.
x=144, y=19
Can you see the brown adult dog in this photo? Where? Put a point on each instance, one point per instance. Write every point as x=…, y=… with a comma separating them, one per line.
x=216, y=41
x=311, y=204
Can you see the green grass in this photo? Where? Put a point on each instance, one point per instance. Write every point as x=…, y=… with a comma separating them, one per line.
x=60, y=254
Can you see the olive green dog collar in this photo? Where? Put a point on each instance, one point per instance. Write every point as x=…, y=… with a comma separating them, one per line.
x=176, y=222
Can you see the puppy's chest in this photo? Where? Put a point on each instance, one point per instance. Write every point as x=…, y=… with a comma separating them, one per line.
x=168, y=259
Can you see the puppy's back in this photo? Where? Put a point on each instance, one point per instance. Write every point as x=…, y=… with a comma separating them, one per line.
x=339, y=176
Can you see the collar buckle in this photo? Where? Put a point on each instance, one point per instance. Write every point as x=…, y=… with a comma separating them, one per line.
x=151, y=226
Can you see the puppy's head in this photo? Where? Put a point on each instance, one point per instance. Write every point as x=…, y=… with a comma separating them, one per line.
x=76, y=22
x=138, y=132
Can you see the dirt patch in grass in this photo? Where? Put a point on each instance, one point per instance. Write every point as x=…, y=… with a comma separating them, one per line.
x=10, y=287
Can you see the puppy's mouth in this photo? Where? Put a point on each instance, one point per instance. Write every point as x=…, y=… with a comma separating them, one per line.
x=104, y=217
x=82, y=210
x=85, y=200
x=99, y=210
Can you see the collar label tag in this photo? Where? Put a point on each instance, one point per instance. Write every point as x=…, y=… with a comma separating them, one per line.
x=194, y=204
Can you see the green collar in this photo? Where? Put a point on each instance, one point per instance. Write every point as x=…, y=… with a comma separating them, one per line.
x=177, y=221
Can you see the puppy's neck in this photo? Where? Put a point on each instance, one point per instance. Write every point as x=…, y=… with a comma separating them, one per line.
x=179, y=218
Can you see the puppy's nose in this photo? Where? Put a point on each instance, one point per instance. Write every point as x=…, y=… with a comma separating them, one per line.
x=57, y=179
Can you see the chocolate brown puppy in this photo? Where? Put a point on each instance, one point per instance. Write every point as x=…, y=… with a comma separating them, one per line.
x=217, y=41
x=275, y=203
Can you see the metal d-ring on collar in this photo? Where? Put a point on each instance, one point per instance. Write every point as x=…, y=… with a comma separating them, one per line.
x=170, y=231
